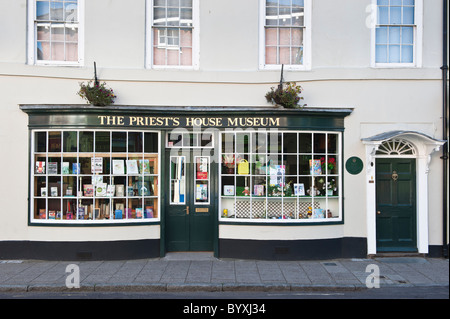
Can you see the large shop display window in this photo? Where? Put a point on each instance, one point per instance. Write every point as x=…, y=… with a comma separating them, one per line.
x=280, y=176
x=95, y=176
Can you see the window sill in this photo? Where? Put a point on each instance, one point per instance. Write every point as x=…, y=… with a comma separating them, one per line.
x=57, y=64
x=277, y=67
x=395, y=66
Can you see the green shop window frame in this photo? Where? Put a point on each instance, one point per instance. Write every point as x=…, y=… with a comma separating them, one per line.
x=90, y=176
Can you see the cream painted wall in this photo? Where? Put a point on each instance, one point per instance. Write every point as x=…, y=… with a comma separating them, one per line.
x=228, y=75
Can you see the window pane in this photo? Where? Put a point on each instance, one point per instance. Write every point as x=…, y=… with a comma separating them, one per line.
x=305, y=143
x=71, y=33
x=54, y=141
x=407, y=35
x=159, y=3
x=186, y=37
x=298, y=16
x=395, y=15
x=275, y=143
x=290, y=143
x=119, y=141
x=297, y=37
x=383, y=15
x=394, y=54
x=407, y=54
x=285, y=56
x=332, y=143
x=102, y=142
x=42, y=10
x=271, y=55
x=319, y=143
x=271, y=2
x=71, y=52
x=186, y=17
x=284, y=17
x=151, y=143
x=56, y=11
x=71, y=12
x=186, y=3
x=173, y=57
x=43, y=32
x=135, y=142
x=285, y=36
x=86, y=142
x=159, y=16
x=394, y=35
x=43, y=50
x=408, y=15
x=58, y=51
x=271, y=36
x=381, y=35
x=271, y=16
x=186, y=56
x=70, y=142
x=57, y=32
x=381, y=53
x=297, y=55
x=40, y=142
x=173, y=16
x=228, y=145
x=242, y=143
x=298, y=3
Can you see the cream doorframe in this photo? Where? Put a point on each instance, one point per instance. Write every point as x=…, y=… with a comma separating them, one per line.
x=425, y=146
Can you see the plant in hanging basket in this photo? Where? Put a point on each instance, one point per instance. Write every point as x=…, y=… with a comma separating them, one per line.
x=97, y=94
x=288, y=96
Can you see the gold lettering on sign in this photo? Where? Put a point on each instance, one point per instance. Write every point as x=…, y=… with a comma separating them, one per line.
x=157, y=121
x=253, y=121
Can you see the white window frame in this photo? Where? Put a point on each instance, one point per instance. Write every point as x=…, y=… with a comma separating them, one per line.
x=32, y=38
x=195, y=39
x=126, y=197
x=338, y=199
x=418, y=38
x=306, y=40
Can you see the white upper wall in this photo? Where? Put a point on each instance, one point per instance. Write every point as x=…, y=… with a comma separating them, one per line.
x=115, y=37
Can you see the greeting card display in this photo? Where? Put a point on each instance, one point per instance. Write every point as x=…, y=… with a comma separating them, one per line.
x=315, y=167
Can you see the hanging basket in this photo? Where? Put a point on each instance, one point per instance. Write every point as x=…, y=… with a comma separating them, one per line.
x=97, y=94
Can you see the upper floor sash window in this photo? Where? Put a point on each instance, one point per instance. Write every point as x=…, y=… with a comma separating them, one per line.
x=55, y=32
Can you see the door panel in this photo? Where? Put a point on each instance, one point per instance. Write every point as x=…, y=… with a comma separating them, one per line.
x=396, y=205
x=189, y=224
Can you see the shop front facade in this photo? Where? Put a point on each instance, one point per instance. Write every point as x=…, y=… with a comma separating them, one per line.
x=189, y=175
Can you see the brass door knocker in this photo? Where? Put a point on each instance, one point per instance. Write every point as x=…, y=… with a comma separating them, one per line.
x=394, y=176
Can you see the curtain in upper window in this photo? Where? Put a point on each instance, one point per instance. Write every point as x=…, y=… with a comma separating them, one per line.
x=56, y=31
x=284, y=32
x=395, y=31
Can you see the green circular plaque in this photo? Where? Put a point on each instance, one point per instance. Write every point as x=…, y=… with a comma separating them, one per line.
x=354, y=165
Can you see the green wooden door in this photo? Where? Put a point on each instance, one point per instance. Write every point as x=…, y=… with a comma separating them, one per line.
x=396, y=205
x=189, y=220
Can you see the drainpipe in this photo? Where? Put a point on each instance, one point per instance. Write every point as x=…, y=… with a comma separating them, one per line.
x=444, y=157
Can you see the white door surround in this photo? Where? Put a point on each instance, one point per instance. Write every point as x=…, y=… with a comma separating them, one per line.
x=424, y=147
